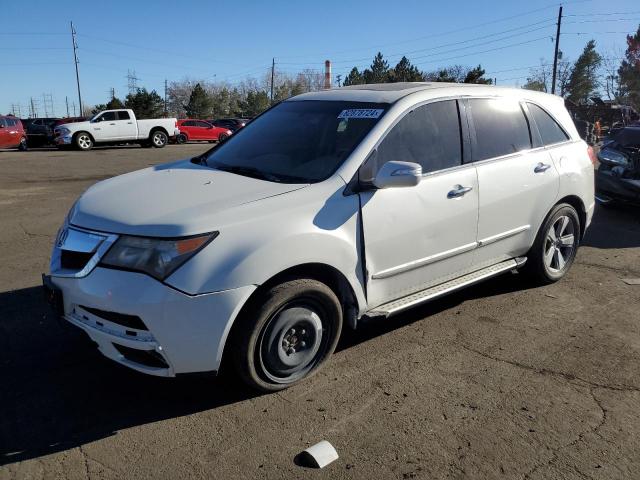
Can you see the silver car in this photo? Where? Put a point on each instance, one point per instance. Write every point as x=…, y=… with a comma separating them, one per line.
x=329, y=208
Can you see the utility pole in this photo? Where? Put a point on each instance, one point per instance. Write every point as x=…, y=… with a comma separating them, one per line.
x=75, y=59
x=66, y=101
x=273, y=70
x=555, y=54
x=165, y=98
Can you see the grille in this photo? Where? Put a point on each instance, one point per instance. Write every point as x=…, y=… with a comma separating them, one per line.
x=74, y=260
x=148, y=358
x=128, y=321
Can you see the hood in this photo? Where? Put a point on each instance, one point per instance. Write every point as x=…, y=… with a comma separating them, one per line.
x=171, y=200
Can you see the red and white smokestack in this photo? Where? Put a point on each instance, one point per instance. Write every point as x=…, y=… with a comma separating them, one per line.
x=327, y=74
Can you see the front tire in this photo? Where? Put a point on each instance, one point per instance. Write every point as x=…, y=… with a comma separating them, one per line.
x=288, y=335
x=222, y=137
x=22, y=146
x=84, y=141
x=159, y=139
x=556, y=245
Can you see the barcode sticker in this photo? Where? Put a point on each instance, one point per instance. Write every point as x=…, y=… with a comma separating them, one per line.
x=361, y=113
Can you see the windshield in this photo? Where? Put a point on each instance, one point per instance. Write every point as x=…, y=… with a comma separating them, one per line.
x=297, y=141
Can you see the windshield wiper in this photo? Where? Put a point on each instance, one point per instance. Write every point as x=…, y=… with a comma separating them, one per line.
x=247, y=172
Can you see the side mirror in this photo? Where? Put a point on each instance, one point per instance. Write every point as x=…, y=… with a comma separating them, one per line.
x=612, y=157
x=398, y=175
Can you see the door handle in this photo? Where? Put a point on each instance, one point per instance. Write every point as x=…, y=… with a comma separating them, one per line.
x=541, y=168
x=112, y=124
x=459, y=191
x=129, y=123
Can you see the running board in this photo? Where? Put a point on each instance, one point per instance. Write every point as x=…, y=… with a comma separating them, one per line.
x=409, y=301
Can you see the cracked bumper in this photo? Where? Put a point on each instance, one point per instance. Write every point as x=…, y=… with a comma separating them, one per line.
x=183, y=333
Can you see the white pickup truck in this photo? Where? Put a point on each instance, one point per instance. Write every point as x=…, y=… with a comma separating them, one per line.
x=116, y=126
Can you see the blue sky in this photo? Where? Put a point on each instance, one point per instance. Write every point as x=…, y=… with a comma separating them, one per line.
x=227, y=41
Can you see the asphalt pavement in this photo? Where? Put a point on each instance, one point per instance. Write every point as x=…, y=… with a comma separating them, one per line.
x=502, y=380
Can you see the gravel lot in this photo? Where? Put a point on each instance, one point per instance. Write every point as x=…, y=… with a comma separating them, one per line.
x=498, y=381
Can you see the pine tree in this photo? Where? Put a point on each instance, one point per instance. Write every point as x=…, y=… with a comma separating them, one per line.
x=145, y=104
x=476, y=75
x=200, y=103
x=583, y=81
x=378, y=72
x=404, y=71
x=629, y=71
x=354, y=78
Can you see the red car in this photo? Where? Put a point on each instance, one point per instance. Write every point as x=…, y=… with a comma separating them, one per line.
x=199, y=130
x=12, y=134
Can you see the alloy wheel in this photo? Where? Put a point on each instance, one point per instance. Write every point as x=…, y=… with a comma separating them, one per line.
x=559, y=244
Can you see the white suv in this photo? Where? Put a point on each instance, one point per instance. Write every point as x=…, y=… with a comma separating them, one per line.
x=329, y=208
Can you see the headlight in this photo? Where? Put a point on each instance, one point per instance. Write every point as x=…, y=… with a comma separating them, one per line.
x=156, y=256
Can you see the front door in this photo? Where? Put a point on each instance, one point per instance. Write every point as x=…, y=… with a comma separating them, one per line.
x=419, y=236
x=105, y=127
x=518, y=180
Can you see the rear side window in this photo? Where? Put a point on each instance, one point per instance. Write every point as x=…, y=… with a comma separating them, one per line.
x=123, y=115
x=202, y=124
x=428, y=135
x=188, y=123
x=500, y=128
x=11, y=122
x=549, y=129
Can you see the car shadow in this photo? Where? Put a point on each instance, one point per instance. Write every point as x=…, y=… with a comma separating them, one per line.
x=614, y=227
x=59, y=392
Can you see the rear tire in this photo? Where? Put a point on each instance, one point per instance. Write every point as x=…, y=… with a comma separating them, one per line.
x=289, y=334
x=83, y=141
x=555, y=247
x=182, y=138
x=159, y=139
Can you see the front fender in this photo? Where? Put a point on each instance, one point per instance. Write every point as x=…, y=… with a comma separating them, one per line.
x=257, y=247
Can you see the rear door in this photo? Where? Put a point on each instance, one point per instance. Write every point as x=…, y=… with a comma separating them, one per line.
x=126, y=126
x=518, y=180
x=419, y=236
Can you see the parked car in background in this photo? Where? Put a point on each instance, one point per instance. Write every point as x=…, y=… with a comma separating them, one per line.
x=199, y=130
x=232, y=124
x=618, y=174
x=39, y=131
x=116, y=126
x=62, y=121
x=12, y=134
x=329, y=208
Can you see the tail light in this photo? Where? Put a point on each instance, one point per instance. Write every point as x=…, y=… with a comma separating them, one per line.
x=592, y=155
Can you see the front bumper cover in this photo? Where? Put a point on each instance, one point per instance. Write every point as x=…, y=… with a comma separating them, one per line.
x=187, y=331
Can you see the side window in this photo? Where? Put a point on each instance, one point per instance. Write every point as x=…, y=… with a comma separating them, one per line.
x=500, y=127
x=3, y=122
x=428, y=135
x=549, y=129
x=189, y=123
x=108, y=116
x=203, y=124
x=123, y=115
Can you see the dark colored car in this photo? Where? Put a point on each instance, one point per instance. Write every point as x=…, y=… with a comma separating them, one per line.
x=40, y=130
x=12, y=134
x=232, y=124
x=62, y=121
x=618, y=175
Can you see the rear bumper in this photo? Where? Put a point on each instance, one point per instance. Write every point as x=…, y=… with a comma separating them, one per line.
x=175, y=332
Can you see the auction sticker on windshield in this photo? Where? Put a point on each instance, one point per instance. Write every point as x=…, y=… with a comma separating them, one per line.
x=361, y=113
